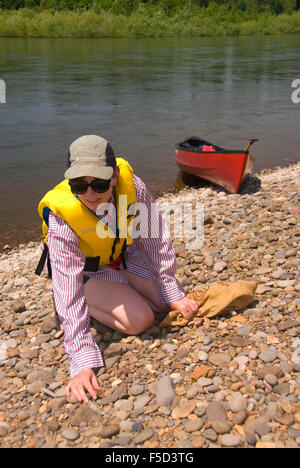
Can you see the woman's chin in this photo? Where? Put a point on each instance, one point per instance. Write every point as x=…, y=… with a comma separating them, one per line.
x=92, y=205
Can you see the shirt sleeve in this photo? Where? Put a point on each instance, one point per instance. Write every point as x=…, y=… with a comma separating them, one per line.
x=67, y=263
x=157, y=246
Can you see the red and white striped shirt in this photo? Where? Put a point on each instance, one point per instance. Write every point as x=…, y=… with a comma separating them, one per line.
x=147, y=257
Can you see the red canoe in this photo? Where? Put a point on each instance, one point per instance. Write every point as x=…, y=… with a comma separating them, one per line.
x=213, y=163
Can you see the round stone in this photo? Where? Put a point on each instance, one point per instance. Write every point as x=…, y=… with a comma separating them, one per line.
x=4, y=428
x=271, y=379
x=219, y=266
x=193, y=426
x=253, y=354
x=136, y=389
x=238, y=403
x=268, y=355
x=202, y=356
x=70, y=434
x=244, y=332
x=222, y=427
x=230, y=440
x=242, y=360
x=204, y=381
x=207, y=340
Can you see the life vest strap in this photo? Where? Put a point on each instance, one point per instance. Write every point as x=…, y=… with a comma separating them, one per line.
x=124, y=247
x=42, y=260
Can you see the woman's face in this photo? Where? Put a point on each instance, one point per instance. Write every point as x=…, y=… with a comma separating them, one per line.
x=93, y=199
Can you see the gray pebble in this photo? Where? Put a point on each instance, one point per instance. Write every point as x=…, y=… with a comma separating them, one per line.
x=282, y=389
x=70, y=434
x=136, y=389
x=222, y=427
x=271, y=379
x=207, y=340
x=165, y=393
x=141, y=402
x=143, y=436
x=193, y=426
x=251, y=438
x=210, y=434
x=202, y=356
x=272, y=408
x=268, y=355
x=185, y=444
x=244, y=331
x=137, y=427
x=253, y=354
x=169, y=348
x=193, y=391
x=204, y=382
x=238, y=403
x=18, y=307
x=262, y=430
x=219, y=266
x=230, y=440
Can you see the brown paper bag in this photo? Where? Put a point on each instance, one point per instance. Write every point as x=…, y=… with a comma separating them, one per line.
x=215, y=299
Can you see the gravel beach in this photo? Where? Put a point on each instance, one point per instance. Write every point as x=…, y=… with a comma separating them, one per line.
x=232, y=381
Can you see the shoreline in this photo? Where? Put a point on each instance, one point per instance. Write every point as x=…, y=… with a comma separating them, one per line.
x=7, y=247
x=231, y=381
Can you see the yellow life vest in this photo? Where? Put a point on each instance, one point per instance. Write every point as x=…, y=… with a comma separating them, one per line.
x=96, y=240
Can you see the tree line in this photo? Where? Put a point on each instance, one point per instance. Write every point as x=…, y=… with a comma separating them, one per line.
x=168, y=6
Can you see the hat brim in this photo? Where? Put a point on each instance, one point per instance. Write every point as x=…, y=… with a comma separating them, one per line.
x=88, y=170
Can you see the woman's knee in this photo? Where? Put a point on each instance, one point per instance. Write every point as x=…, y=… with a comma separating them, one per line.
x=141, y=321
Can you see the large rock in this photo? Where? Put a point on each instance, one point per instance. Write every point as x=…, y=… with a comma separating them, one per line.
x=110, y=431
x=217, y=359
x=216, y=412
x=43, y=375
x=252, y=425
x=18, y=306
x=165, y=393
x=48, y=324
x=83, y=414
x=35, y=387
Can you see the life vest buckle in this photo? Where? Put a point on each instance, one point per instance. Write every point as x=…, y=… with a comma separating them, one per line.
x=92, y=263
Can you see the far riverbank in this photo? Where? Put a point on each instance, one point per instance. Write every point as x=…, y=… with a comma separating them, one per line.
x=144, y=22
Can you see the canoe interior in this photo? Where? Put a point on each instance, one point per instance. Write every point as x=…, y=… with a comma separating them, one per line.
x=195, y=144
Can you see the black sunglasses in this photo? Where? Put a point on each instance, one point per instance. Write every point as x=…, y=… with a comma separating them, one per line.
x=98, y=185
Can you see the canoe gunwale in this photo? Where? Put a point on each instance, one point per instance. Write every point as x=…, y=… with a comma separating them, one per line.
x=218, y=149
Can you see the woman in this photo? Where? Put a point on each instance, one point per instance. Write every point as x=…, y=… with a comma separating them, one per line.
x=100, y=266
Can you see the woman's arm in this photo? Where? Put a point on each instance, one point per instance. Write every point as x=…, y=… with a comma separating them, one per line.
x=159, y=251
x=67, y=263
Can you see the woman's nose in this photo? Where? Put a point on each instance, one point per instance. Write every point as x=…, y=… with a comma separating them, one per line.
x=90, y=191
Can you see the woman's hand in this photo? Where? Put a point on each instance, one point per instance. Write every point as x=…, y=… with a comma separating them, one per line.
x=186, y=306
x=85, y=380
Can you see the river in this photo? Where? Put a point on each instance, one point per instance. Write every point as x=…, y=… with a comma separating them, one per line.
x=144, y=96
